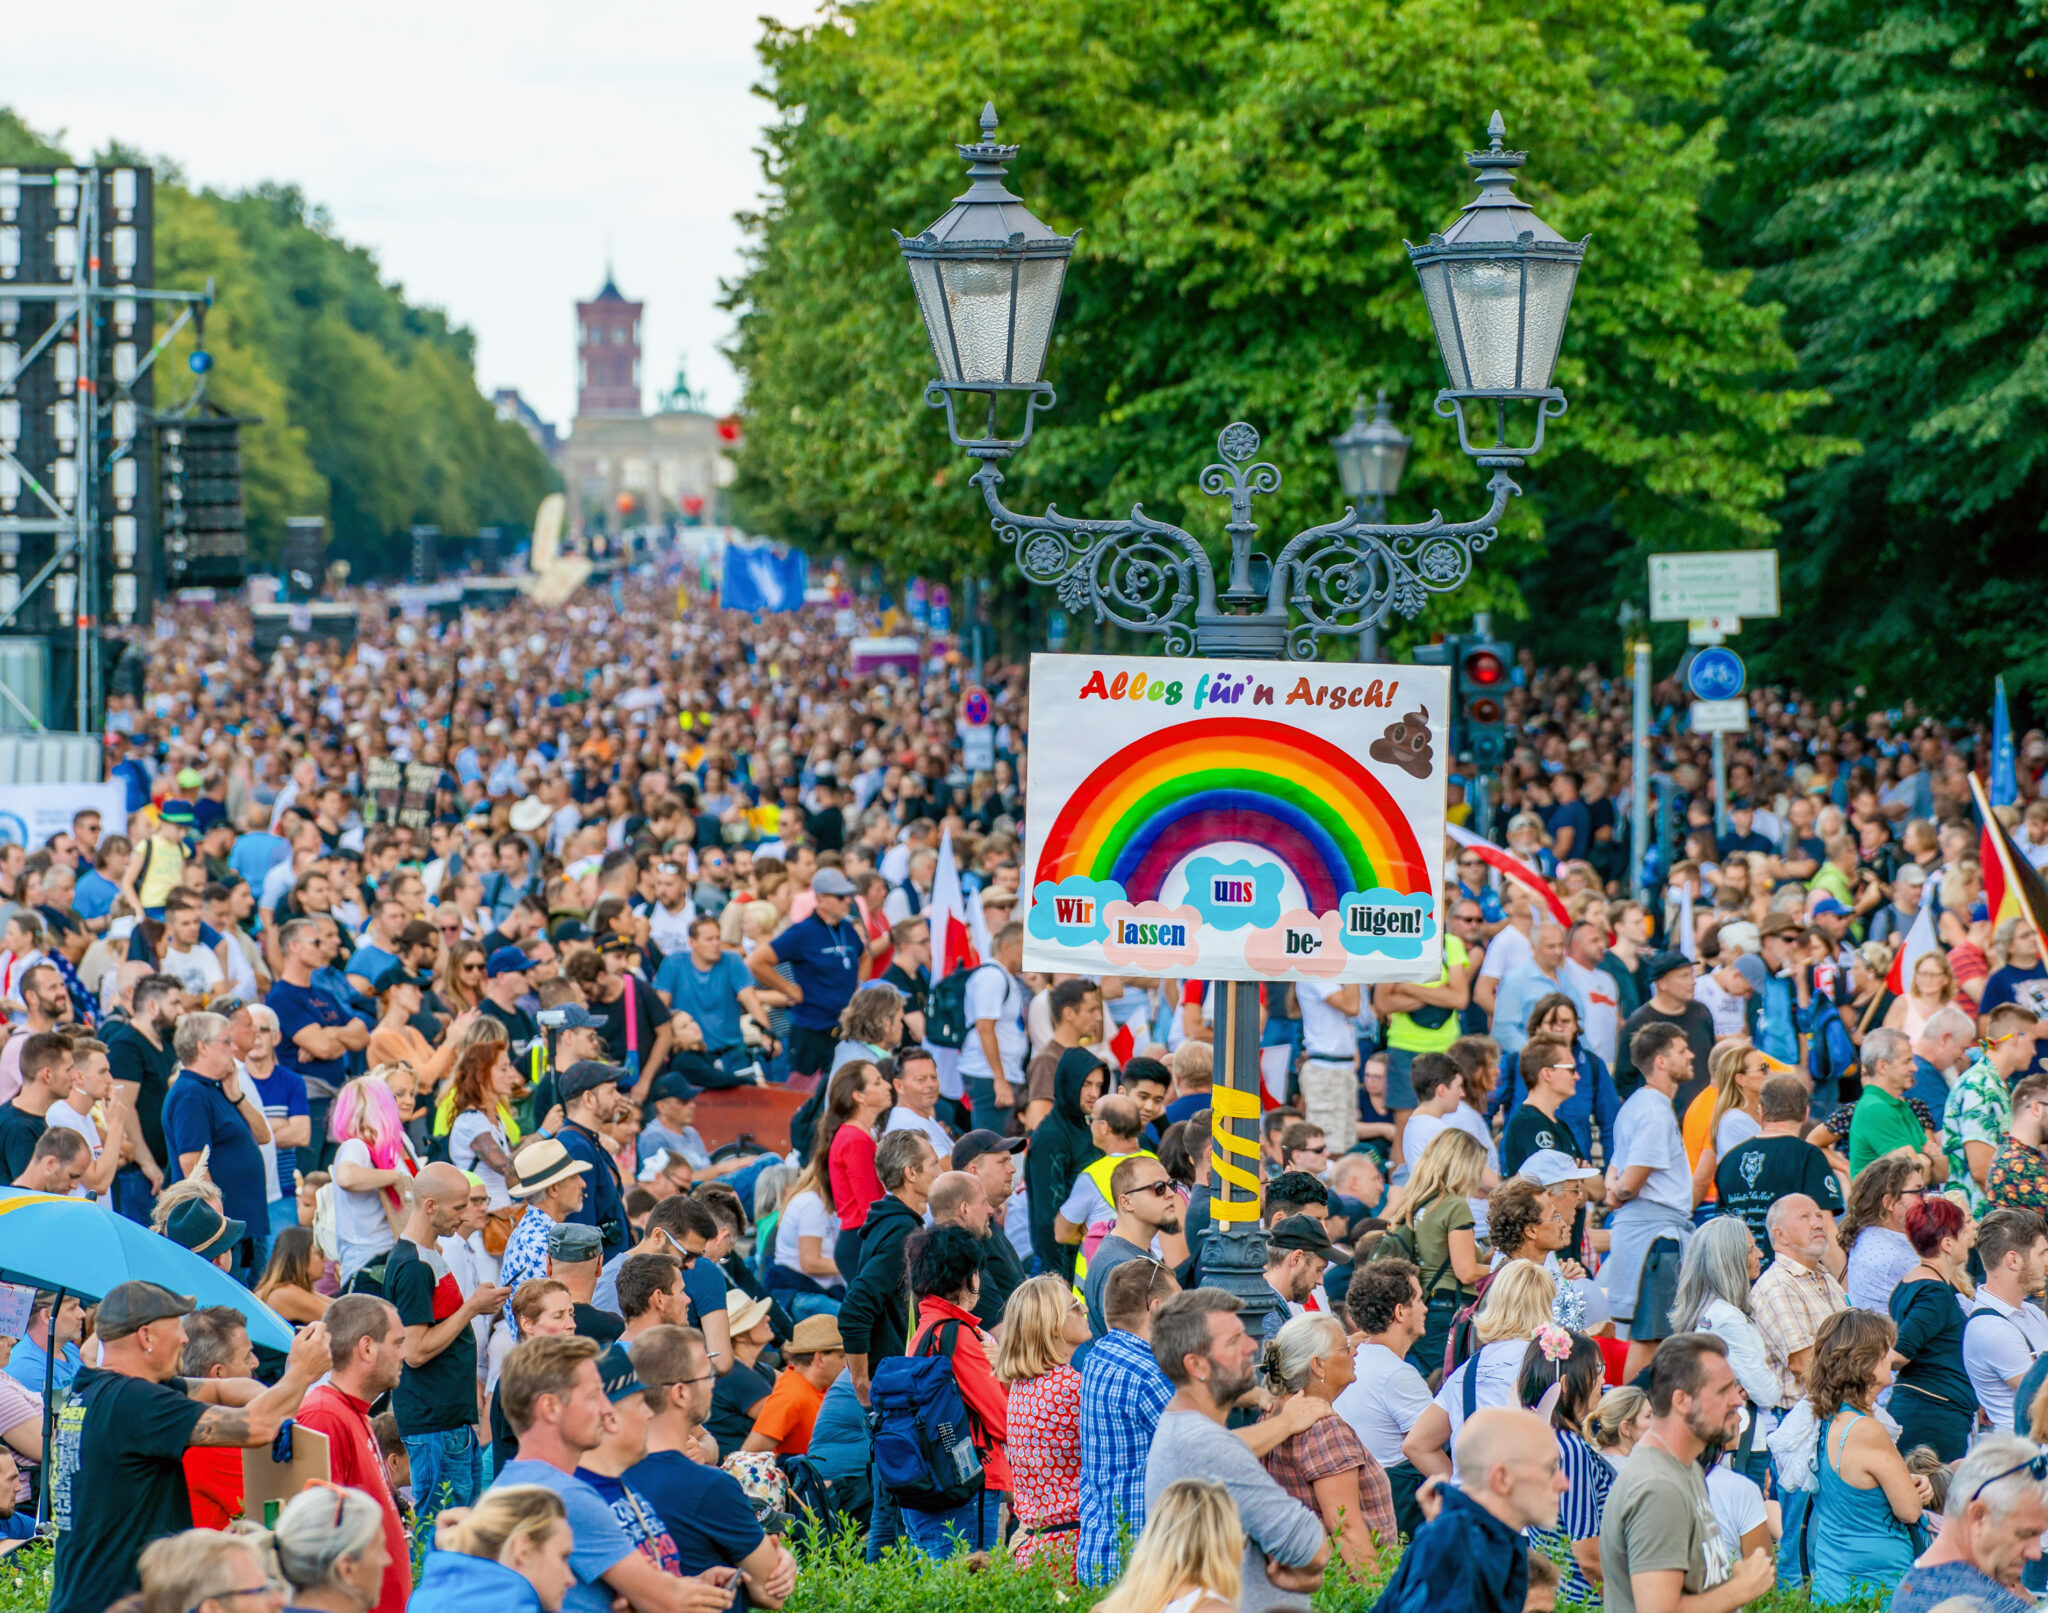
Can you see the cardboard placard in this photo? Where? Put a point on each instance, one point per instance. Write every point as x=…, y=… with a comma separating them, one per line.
x=264, y=1480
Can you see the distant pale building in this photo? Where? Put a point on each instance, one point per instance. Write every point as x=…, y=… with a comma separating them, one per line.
x=621, y=467
x=511, y=406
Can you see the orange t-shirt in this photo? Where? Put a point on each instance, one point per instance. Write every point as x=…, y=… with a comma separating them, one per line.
x=789, y=1411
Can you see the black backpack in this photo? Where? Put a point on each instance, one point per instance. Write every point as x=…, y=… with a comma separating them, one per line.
x=945, y=1018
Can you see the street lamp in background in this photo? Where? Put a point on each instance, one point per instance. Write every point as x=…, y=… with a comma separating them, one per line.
x=1371, y=455
x=1498, y=286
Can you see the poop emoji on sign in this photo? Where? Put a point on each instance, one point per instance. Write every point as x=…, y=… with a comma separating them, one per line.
x=1406, y=744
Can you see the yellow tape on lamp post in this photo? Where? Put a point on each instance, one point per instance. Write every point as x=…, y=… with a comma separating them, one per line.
x=1226, y=1105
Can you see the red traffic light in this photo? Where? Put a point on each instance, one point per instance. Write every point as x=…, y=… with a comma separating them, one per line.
x=1485, y=668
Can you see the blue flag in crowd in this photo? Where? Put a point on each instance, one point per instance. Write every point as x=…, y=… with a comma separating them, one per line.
x=2005, y=778
x=761, y=578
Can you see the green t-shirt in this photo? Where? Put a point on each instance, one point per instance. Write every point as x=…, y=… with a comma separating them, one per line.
x=1406, y=1036
x=1434, y=1224
x=1881, y=1123
x=1659, y=1517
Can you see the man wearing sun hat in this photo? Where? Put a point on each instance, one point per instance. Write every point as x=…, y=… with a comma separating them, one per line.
x=551, y=1187
x=812, y=1361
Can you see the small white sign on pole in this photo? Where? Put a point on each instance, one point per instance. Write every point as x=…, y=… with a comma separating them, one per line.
x=1715, y=582
x=1720, y=716
x=1712, y=629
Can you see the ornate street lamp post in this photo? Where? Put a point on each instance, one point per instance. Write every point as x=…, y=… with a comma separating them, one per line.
x=1498, y=287
x=1370, y=458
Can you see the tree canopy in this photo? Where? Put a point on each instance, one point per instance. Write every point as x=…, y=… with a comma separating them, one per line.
x=1244, y=175
x=369, y=405
x=1886, y=177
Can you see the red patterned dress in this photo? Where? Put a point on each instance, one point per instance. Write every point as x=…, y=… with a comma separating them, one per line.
x=1045, y=1468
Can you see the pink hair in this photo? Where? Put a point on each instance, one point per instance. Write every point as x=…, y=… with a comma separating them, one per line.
x=367, y=1106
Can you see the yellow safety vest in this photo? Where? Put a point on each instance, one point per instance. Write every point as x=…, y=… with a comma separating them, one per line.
x=1099, y=1174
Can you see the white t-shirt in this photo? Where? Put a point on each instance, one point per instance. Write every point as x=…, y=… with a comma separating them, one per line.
x=62, y=1114
x=1505, y=953
x=1730, y=1017
x=994, y=993
x=1736, y=1128
x=462, y=1139
x=902, y=1119
x=1738, y=1506
x=1383, y=1401
x=1646, y=1133
x=671, y=931
x=1603, y=1007
x=804, y=1216
x=197, y=969
x=2000, y=1348
x=1498, y=1364
x=1418, y=1134
x=361, y=1231
x=1327, y=1035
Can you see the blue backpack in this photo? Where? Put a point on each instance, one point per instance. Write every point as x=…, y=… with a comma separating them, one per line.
x=925, y=1453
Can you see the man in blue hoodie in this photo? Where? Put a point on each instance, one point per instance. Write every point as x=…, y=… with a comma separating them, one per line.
x=1471, y=1555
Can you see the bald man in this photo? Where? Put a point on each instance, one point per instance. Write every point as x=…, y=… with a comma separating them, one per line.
x=435, y=1401
x=1472, y=1554
x=958, y=1200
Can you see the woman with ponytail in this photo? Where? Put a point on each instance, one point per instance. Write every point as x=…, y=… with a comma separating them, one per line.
x=1326, y=1467
x=510, y=1554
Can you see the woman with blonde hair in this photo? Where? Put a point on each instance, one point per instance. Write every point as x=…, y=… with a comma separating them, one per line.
x=206, y=1571
x=333, y=1547
x=1043, y=1324
x=1517, y=1302
x=1326, y=1466
x=1732, y=1104
x=1437, y=1212
x=372, y=1170
x=1618, y=1422
x=1932, y=988
x=870, y=1026
x=510, y=1554
x=1189, y=1559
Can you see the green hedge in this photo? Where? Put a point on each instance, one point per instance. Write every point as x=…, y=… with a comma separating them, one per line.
x=835, y=1579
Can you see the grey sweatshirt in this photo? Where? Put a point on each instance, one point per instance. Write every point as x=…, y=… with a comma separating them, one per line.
x=1188, y=1445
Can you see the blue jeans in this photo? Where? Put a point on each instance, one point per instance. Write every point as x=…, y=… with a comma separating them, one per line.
x=970, y=1526
x=886, y=1522
x=133, y=1197
x=742, y=1180
x=447, y=1471
x=981, y=1097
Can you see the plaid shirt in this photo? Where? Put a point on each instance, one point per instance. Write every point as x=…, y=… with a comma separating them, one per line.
x=1789, y=1303
x=1122, y=1394
x=1323, y=1450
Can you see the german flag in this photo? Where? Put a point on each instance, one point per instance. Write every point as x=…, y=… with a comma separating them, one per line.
x=2012, y=886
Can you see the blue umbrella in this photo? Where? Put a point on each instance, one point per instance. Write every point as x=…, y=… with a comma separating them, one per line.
x=76, y=1245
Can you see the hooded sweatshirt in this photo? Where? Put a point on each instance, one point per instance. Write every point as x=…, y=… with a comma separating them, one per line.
x=875, y=1319
x=455, y=1582
x=1061, y=1148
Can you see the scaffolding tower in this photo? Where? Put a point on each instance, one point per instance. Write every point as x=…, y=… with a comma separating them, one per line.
x=81, y=545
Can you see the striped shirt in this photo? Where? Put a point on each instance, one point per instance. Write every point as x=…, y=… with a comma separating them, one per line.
x=1579, y=1511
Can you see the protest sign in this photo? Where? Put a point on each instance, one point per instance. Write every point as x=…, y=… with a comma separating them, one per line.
x=1235, y=820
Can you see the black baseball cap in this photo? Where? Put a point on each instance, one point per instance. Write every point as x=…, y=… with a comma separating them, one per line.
x=976, y=1143
x=1301, y=1232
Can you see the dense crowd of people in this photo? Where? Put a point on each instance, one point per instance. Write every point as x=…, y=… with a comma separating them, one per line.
x=440, y=981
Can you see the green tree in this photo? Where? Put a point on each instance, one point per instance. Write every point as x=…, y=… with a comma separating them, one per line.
x=368, y=405
x=1245, y=174
x=1885, y=179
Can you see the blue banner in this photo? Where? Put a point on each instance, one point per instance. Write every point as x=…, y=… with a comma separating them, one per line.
x=760, y=578
x=2005, y=779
